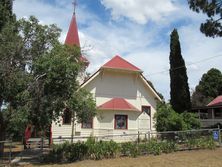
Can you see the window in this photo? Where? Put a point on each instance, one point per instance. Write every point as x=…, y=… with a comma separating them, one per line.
x=121, y=122
x=217, y=113
x=88, y=124
x=146, y=109
x=67, y=115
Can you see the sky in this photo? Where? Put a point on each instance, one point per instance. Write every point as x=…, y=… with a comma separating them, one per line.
x=137, y=30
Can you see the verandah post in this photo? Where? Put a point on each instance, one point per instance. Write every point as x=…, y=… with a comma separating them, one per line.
x=219, y=135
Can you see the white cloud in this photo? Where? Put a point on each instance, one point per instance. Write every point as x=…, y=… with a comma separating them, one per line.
x=140, y=11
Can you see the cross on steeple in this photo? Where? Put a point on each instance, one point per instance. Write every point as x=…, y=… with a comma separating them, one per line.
x=74, y=6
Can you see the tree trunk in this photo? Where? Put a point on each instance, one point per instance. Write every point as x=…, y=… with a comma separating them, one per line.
x=2, y=129
x=2, y=134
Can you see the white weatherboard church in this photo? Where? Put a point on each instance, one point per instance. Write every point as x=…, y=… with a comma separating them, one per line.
x=125, y=101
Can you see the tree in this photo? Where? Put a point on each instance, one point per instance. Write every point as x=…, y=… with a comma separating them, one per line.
x=6, y=14
x=55, y=87
x=209, y=87
x=6, y=17
x=21, y=43
x=213, y=9
x=179, y=89
x=169, y=120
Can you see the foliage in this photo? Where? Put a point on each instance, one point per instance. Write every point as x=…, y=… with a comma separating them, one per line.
x=5, y=12
x=169, y=120
x=201, y=143
x=179, y=89
x=83, y=104
x=102, y=149
x=92, y=149
x=191, y=120
x=209, y=87
x=130, y=149
x=19, y=42
x=213, y=9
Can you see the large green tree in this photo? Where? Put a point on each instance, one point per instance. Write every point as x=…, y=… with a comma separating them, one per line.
x=179, y=89
x=209, y=87
x=21, y=43
x=6, y=17
x=38, y=76
x=213, y=9
x=55, y=87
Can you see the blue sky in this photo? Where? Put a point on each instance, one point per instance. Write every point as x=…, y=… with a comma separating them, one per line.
x=137, y=30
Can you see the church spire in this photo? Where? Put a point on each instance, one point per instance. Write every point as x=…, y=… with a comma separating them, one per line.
x=72, y=37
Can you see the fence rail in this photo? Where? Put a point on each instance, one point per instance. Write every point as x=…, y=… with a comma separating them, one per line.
x=178, y=137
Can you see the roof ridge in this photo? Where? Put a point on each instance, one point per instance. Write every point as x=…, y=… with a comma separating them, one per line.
x=117, y=62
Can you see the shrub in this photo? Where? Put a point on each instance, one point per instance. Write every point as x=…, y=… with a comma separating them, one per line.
x=129, y=149
x=102, y=149
x=153, y=147
x=76, y=151
x=168, y=146
x=203, y=143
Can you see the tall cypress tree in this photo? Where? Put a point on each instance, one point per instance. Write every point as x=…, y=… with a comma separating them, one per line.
x=179, y=89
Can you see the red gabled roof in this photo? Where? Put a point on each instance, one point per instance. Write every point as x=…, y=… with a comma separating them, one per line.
x=72, y=37
x=117, y=104
x=118, y=62
x=216, y=101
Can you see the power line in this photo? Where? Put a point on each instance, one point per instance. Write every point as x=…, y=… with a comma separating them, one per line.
x=189, y=64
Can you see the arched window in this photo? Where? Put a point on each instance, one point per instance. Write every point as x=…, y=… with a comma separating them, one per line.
x=67, y=115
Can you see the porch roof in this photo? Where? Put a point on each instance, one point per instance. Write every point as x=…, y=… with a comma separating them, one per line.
x=217, y=101
x=117, y=104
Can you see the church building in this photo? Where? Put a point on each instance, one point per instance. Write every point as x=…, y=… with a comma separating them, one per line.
x=125, y=101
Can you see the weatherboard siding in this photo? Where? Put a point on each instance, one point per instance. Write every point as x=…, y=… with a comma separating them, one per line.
x=112, y=84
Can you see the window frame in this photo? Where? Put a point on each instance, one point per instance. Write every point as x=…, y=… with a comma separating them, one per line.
x=115, y=127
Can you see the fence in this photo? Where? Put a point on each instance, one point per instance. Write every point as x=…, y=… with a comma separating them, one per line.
x=181, y=138
x=5, y=152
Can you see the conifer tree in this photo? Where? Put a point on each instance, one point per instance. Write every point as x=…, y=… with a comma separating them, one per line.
x=179, y=89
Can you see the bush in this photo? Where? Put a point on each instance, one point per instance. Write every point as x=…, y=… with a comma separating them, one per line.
x=129, y=149
x=153, y=147
x=76, y=151
x=102, y=149
x=169, y=120
x=92, y=149
x=201, y=143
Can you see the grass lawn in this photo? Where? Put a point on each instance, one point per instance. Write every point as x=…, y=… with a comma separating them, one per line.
x=198, y=158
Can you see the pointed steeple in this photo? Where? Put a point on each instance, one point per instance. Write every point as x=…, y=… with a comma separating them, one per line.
x=72, y=37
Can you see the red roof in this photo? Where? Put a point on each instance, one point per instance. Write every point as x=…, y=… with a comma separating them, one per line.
x=72, y=37
x=118, y=62
x=216, y=101
x=118, y=104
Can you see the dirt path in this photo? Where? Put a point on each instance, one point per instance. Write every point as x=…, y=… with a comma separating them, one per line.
x=199, y=158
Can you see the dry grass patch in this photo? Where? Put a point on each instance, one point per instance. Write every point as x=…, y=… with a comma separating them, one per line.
x=198, y=158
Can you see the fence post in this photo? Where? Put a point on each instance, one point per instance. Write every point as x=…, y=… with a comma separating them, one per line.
x=138, y=137
x=219, y=135
x=149, y=135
